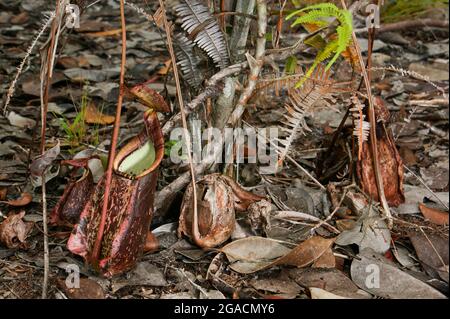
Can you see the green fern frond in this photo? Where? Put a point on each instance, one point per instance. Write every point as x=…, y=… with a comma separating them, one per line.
x=317, y=14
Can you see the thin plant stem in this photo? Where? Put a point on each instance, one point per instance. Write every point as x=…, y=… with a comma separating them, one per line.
x=112, y=154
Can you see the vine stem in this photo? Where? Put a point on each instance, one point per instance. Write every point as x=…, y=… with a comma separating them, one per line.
x=112, y=153
x=373, y=133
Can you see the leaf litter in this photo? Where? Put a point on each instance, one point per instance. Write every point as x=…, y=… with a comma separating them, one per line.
x=288, y=246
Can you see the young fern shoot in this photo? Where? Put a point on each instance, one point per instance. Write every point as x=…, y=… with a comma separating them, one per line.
x=319, y=15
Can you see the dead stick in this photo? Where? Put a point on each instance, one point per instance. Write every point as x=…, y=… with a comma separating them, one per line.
x=258, y=62
x=373, y=133
x=434, y=23
x=44, y=111
x=112, y=153
x=195, y=228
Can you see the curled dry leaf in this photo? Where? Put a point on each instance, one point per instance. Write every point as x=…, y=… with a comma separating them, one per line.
x=307, y=252
x=89, y=289
x=435, y=216
x=20, y=121
x=3, y=192
x=76, y=194
x=23, y=200
x=149, y=98
x=218, y=197
x=94, y=116
x=14, y=231
x=40, y=164
x=253, y=254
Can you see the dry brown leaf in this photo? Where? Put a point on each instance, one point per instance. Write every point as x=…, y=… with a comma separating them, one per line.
x=40, y=164
x=107, y=33
x=327, y=260
x=435, y=216
x=23, y=200
x=166, y=68
x=88, y=289
x=307, y=252
x=94, y=116
x=150, y=98
x=253, y=254
x=3, y=192
x=14, y=231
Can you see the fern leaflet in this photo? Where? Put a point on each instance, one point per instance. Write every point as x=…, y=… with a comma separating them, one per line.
x=317, y=15
x=203, y=28
x=361, y=126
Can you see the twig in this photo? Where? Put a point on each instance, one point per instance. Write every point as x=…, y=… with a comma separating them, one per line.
x=256, y=63
x=373, y=133
x=288, y=215
x=435, y=251
x=12, y=87
x=112, y=153
x=331, y=215
x=292, y=160
x=413, y=24
x=195, y=227
x=426, y=186
x=44, y=108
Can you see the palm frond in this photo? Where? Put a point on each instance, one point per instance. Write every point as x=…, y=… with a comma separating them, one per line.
x=199, y=23
x=188, y=60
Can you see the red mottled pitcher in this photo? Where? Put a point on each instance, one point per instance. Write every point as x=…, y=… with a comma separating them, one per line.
x=130, y=207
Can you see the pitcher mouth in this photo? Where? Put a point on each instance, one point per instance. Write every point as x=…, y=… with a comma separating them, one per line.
x=143, y=154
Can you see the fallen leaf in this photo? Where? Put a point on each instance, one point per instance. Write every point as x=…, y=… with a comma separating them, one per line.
x=317, y=293
x=433, y=252
x=20, y=121
x=306, y=252
x=14, y=231
x=40, y=164
x=327, y=260
x=332, y=280
x=435, y=216
x=380, y=277
x=277, y=286
x=3, y=192
x=370, y=231
x=166, y=68
x=253, y=254
x=150, y=98
x=145, y=274
x=89, y=289
x=212, y=294
x=94, y=116
x=23, y=200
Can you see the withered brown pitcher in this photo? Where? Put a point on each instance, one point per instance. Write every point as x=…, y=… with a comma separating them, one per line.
x=130, y=206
